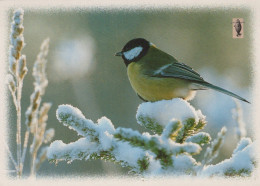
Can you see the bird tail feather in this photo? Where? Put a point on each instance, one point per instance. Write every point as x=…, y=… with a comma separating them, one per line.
x=208, y=85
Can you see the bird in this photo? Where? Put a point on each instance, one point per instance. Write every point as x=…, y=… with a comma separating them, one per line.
x=238, y=27
x=156, y=75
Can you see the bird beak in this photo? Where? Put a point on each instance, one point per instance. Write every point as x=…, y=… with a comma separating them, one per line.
x=119, y=54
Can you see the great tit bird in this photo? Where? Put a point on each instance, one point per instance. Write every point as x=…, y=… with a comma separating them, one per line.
x=156, y=75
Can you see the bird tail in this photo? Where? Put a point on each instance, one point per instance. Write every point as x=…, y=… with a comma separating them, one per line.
x=208, y=85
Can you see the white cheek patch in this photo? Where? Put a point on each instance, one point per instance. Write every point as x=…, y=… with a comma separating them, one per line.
x=131, y=54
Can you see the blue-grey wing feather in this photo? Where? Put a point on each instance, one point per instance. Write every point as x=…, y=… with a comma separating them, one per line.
x=178, y=70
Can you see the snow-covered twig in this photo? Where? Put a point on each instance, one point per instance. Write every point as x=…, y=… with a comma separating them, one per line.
x=169, y=150
x=142, y=153
x=241, y=163
x=213, y=150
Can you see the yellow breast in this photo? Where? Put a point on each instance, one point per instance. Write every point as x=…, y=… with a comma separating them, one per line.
x=154, y=88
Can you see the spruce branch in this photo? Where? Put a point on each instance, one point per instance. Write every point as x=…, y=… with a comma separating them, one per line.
x=73, y=118
x=242, y=162
x=150, y=123
x=172, y=130
x=102, y=141
x=169, y=151
x=212, y=151
x=200, y=138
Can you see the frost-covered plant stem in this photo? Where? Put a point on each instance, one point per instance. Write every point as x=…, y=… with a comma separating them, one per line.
x=11, y=157
x=18, y=134
x=18, y=69
x=35, y=119
x=25, y=143
x=213, y=150
x=38, y=125
x=34, y=154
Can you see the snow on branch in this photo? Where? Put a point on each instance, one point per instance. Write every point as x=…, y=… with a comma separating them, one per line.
x=155, y=116
x=213, y=150
x=241, y=163
x=168, y=150
x=75, y=120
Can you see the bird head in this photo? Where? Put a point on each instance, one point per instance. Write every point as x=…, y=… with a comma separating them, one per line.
x=134, y=50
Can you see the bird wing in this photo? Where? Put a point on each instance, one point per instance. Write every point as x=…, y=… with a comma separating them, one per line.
x=182, y=71
x=178, y=70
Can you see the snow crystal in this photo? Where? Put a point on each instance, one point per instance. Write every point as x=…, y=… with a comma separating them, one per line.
x=49, y=134
x=166, y=110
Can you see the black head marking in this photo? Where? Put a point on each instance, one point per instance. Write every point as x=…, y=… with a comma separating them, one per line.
x=138, y=43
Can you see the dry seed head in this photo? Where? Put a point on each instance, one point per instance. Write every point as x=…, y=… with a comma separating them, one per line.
x=43, y=114
x=33, y=125
x=14, y=53
x=39, y=67
x=11, y=83
x=18, y=16
x=31, y=111
x=22, y=69
x=12, y=65
x=45, y=108
x=222, y=132
x=17, y=40
x=19, y=43
x=45, y=46
x=48, y=136
x=42, y=156
x=35, y=98
x=39, y=137
x=16, y=30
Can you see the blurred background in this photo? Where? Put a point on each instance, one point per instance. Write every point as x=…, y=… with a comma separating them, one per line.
x=83, y=71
